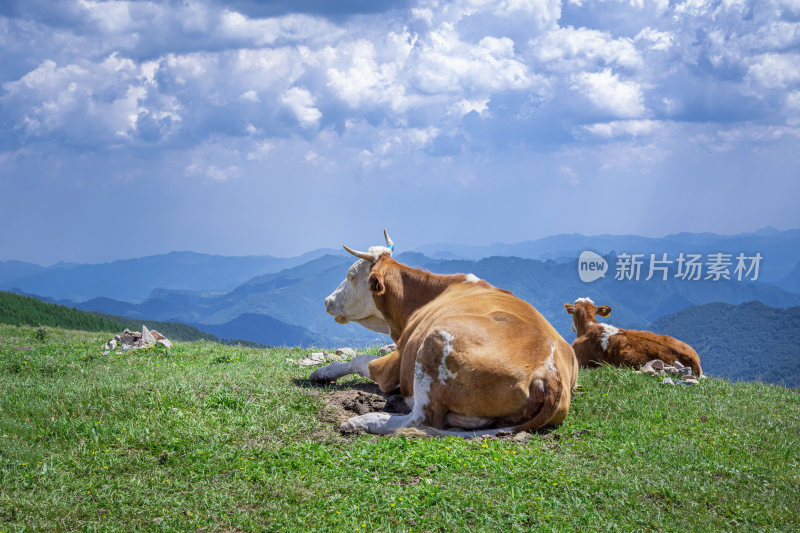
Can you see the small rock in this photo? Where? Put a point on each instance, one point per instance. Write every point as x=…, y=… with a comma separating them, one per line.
x=671, y=370
x=156, y=335
x=656, y=364
x=112, y=344
x=667, y=381
x=127, y=336
x=117, y=338
x=685, y=371
x=678, y=365
x=389, y=348
x=317, y=356
x=333, y=357
x=646, y=369
x=521, y=436
x=147, y=337
x=347, y=352
x=691, y=380
x=165, y=342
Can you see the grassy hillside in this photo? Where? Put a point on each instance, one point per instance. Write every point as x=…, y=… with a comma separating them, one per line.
x=236, y=439
x=749, y=341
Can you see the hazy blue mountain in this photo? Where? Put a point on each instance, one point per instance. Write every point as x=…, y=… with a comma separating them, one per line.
x=749, y=341
x=213, y=290
x=792, y=281
x=262, y=329
x=292, y=296
x=13, y=270
x=547, y=285
x=295, y=295
x=780, y=249
x=133, y=280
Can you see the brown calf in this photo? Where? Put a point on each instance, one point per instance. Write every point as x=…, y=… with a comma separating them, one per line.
x=603, y=343
x=469, y=355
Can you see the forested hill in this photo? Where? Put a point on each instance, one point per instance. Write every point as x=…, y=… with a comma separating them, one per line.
x=21, y=310
x=749, y=341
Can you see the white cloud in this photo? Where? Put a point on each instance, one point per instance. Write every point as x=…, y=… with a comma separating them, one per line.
x=213, y=172
x=607, y=92
x=359, y=78
x=774, y=71
x=267, y=31
x=569, y=49
x=569, y=175
x=446, y=64
x=301, y=103
x=659, y=40
x=463, y=107
x=89, y=102
x=188, y=71
x=620, y=128
x=260, y=151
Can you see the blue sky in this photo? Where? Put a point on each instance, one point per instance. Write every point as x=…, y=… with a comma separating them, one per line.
x=244, y=127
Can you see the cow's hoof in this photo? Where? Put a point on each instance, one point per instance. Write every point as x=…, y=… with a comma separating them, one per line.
x=349, y=428
x=319, y=376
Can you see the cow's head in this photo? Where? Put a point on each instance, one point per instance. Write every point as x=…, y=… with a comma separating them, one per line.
x=583, y=311
x=352, y=300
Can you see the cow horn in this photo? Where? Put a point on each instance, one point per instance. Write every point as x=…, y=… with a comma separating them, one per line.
x=389, y=242
x=362, y=255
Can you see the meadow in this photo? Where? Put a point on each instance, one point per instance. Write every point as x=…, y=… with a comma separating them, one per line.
x=228, y=438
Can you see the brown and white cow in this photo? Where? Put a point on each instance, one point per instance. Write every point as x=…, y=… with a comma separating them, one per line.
x=603, y=343
x=469, y=355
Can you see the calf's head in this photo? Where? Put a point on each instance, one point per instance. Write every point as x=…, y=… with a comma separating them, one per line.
x=352, y=300
x=583, y=311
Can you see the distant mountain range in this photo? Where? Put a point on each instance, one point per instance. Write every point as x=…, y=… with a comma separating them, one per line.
x=133, y=280
x=780, y=249
x=280, y=301
x=294, y=297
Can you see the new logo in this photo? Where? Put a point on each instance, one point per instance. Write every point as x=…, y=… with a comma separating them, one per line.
x=591, y=266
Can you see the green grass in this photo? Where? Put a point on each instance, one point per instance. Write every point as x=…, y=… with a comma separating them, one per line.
x=222, y=438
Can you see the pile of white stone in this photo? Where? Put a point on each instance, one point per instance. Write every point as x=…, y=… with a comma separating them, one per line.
x=657, y=367
x=133, y=340
x=341, y=354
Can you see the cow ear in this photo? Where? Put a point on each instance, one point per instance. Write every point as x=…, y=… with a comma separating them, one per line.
x=604, y=310
x=376, y=283
x=570, y=308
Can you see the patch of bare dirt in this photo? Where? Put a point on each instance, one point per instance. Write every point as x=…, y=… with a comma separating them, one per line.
x=362, y=399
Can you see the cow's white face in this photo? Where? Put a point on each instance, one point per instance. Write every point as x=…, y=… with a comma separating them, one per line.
x=352, y=300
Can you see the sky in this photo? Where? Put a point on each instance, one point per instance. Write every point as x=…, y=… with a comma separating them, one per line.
x=246, y=128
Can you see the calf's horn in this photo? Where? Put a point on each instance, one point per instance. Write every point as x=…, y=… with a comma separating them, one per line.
x=389, y=242
x=362, y=255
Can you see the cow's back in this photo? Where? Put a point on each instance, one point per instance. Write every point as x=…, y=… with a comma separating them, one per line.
x=492, y=327
x=635, y=348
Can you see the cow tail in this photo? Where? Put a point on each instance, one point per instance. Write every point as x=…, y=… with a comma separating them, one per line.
x=551, y=382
